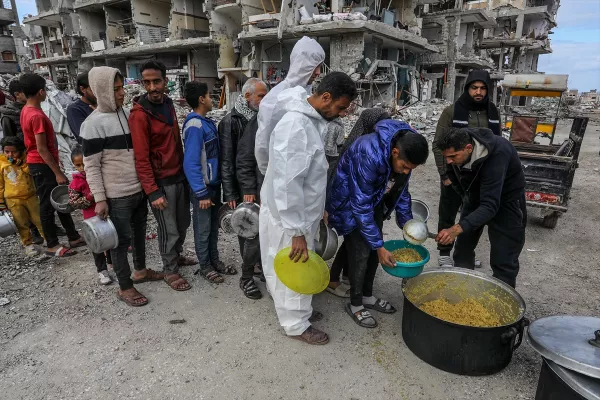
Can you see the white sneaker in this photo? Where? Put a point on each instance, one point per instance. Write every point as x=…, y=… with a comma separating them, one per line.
x=477, y=263
x=445, y=261
x=31, y=251
x=104, y=277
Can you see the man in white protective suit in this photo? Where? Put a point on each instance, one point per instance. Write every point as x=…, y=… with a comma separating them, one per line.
x=293, y=192
x=305, y=66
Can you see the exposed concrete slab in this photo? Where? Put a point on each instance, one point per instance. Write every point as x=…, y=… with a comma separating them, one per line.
x=48, y=18
x=7, y=15
x=53, y=60
x=541, y=12
x=95, y=4
x=472, y=62
x=480, y=17
x=495, y=43
x=410, y=40
x=163, y=47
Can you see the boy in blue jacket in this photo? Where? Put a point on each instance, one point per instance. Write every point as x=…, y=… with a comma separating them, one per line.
x=201, y=167
x=371, y=181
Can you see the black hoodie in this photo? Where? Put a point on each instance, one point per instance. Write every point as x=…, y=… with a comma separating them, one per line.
x=493, y=178
x=465, y=104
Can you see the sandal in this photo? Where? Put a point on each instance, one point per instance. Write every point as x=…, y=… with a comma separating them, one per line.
x=176, y=282
x=61, y=252
x=77, y=243
x=362, y=317
x=383, y=306
x=220, y=267
x=250, y=289
x=184, y=261
x=132, y=300
x=340, y=291
x=312, y=336
x=151, y=276
x=210, y=275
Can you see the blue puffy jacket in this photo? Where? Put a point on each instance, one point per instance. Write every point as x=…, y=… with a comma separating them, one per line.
x=360, y=182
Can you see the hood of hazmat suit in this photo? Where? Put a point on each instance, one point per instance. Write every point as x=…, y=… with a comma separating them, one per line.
x=293, y=198
x=306, y=55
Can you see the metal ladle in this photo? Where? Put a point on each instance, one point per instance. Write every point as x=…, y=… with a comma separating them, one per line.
x=415, y=232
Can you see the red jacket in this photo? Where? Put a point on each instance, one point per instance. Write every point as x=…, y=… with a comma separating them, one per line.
x=157, y=146
x=80, y=195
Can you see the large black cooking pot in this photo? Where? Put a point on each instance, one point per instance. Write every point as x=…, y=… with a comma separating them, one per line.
x=457, y=348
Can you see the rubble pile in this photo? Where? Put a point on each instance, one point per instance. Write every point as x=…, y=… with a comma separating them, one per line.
x=424, y=115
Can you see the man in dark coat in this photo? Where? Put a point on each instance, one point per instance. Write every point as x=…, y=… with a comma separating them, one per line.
x=486, y=172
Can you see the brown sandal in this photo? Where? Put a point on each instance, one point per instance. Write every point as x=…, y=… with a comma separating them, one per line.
x=312, y=336
x=151, y=276
x=175, y=281
x=131, y=300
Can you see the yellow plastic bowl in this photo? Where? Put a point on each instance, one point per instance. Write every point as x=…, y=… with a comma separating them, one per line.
x=311, y=277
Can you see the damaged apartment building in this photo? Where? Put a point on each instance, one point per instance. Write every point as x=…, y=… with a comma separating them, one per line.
x=8, y=17
x=397, y=51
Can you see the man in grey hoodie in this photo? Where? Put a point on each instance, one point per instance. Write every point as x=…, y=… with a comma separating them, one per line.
x=110, y=169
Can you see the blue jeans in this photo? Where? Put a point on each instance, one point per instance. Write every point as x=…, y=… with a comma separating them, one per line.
x=206, y=230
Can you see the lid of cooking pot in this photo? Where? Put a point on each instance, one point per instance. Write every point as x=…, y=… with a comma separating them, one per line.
x=588, y=388
x=571, y=342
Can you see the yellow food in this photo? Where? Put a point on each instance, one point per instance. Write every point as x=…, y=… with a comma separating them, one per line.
x=468, y=312
x=407, y=255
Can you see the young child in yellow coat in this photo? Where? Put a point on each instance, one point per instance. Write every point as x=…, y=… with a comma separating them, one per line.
x=17, y=191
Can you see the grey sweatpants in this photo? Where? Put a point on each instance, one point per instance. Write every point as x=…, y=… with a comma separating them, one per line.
x=173, y=223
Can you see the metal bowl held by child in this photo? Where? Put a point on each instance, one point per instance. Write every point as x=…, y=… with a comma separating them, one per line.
x=100, y=234
x=59, y=198
x=327, y=245
x=7, y=226
x=462, y=348
x=224, y=218
x=406, y=270
x=244, y=220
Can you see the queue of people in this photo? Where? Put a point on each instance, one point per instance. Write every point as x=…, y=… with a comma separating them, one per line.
x=280, y=149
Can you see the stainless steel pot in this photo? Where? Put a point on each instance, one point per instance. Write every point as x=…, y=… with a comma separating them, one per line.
x=99, y=234
x=7, y=226
x=59, y=198
x=224, y=217
x=455, y=348
x=419, y=209
x=244, y=220
x=327, y=244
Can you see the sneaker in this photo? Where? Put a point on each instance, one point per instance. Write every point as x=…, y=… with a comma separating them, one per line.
x=31, y=251
x=445, y=261
x=104, y=277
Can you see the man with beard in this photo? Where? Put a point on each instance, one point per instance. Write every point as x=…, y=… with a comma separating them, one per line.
x=231, y=128
x=10, y=113
x=78, y=111
x=472, y=110
x=293, y=193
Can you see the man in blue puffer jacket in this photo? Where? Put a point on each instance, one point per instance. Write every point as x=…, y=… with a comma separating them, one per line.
x=371, y=181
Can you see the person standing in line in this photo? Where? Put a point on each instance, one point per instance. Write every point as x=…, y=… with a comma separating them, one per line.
x=158, y=154
x=231, y=128
x=79, y=110
x=201, y=167
x=473, y=109
x=293, y=193
x=109, y=163
x=42, y=158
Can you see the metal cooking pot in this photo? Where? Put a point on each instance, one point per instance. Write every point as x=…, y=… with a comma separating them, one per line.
x=99, y=234
x=461, y=349
x=558, y=383
x=59, y=198
x=7, y=226
x=327, y=244
x=244, y=220
x=416, y=232
x=224, y=218
x=419, y=209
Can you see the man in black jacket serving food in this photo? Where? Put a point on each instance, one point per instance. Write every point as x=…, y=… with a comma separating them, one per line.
x=486, y=171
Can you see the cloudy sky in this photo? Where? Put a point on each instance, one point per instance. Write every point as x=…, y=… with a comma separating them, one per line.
x=575, y=42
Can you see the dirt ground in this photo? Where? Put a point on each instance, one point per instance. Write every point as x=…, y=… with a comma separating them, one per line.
x=63, y=336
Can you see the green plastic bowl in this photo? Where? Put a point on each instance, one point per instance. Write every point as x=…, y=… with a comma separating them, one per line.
x=406, y=270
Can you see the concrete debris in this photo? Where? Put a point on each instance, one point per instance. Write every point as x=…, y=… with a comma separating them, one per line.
x=423, y=116
x=4, y=301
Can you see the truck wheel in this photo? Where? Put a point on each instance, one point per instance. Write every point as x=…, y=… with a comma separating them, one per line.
x=551, y=220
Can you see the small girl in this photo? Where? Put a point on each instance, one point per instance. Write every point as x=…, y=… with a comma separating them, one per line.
x=81, y=198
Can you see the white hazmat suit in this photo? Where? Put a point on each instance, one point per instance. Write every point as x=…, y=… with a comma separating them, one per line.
x=293, y=198
x=306, y=55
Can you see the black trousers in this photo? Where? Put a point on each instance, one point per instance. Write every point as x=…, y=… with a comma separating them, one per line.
x=363, y=261
x=506, y=232
x=250, y=251
x=129, y=215
x=101, y=260
x=340, y=264
x=45, y=180
x=450, y=202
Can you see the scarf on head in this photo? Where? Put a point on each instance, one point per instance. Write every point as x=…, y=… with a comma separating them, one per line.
x=241, y=106
x=364, y=125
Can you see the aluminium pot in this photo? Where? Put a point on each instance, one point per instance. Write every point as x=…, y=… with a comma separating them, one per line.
x=558, y=383
x=461, y=349
x=224, y=218
x=7, y=226
x=99, y=234
x=59, y=198
x=244, y=220
x=327, y=244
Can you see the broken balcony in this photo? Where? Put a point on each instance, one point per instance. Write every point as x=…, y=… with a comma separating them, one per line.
x=52, y=17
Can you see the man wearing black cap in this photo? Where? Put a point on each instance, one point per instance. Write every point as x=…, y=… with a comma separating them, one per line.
x=473, y=109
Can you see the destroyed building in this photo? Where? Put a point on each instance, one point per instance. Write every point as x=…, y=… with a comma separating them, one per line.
x=8, y=16
x=398, y=52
